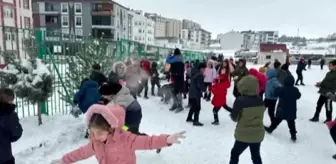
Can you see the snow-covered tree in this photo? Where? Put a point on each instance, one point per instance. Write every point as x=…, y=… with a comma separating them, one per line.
x=96, y=51
x=30, y=78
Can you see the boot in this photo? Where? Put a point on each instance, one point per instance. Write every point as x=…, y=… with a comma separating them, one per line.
x=205, y=95
x=216, y=122
x=174, y=106
x=316, y=116
x=269, y=130
x=158, y=151
x=208, y=97
x=293, y=135
x=334, y=156
x=189, y=120
x=179, y=103
x=197, y=124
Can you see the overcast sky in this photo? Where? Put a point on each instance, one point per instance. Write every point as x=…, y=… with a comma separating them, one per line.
x=314, y=18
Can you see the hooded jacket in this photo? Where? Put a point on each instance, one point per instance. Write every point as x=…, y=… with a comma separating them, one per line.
x=248, y=111
x=114, y=76
x=262, y=79
x=240, y=72
x=131, y=105
x=196, y=85
x=210, y=73
x=271, y=84
x=120, y=145
x=288, y=96
x=10, y=131
x=98, y=76
x=154, y=72
x=219, y=91
x=328, y=83
x=87, y=95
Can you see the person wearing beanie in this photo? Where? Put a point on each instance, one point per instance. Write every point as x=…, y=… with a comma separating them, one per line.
x=177, y=75
x=239, y=72
x=262, y=70
x=301, y=66
x=281, y=74
x=97, y=75
x=248, y=112
x=325, y=86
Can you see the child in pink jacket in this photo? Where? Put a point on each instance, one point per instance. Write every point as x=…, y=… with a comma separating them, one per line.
x=109, y=143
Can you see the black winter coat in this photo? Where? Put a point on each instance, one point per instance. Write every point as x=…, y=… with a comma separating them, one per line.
x=99, y=77
x=301, y=66
x=154, y=72
x=177, y=73
x=328, y=83
x=196, y=85
x=10, y=131
x=288, y=95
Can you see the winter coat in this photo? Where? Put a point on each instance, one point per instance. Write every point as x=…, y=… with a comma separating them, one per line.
x=261, y=79
x=154, y=72
x=288, y=95
x=99, y=77
x=209, y=75
x=177, y=73
x=131, y=105
x=115, y=76
x=322, y=62
x=10, y=131
x=281, y=76
x=219, y=90
x=87, y=95
x=240, y=72
x=328, y=83
x=248, y=111
x=120, y=145
x=271, y=84
x=146, y=66
x=196, y=85
x=301, y=66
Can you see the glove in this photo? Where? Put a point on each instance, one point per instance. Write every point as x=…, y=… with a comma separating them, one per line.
x=75, y=111
x=174, y=138
x=57, y=161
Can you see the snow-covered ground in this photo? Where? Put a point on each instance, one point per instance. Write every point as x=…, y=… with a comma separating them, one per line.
x=203, y=145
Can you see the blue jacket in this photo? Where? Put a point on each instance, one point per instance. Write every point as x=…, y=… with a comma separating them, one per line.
x=288, y=95
x=10, y=131
x=271, y=84
x=172, y=59
x=87, y=95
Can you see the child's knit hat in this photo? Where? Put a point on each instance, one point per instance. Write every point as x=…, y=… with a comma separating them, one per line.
x=110, y=89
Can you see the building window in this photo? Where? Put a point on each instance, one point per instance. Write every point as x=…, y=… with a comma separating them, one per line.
x=78, y=21
x=26, y=4
x=49, y=7
x=65, y=7
x=268, y=57
x=78, y=7
x=65, y=21
x=8, y=12
x=79, y=32
x=140, y=30
x=26, y=22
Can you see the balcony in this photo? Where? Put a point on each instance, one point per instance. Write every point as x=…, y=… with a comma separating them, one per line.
x=51, y=8
x=102, y=9
x=102, y=22
x=52, y=21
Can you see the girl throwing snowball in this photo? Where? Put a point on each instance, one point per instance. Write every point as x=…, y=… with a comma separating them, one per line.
x=109, y=143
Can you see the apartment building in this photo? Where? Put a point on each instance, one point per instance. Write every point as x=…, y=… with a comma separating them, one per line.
x=232, y=40
x=189, y=24
x=75, y=19
x=195, y=38
x=16, y=23
x=252, y=39
x=160, y=24
x=173, y=28
x=143, y=28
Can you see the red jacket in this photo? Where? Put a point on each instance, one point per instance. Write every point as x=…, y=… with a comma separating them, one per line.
x=262, y=79
x=146, y=65
x=219, y=90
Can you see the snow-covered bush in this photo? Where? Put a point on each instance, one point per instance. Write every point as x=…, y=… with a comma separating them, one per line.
x=30, y=79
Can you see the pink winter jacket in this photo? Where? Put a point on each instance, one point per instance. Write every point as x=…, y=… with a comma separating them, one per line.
x=209, y=75
x=120, y=146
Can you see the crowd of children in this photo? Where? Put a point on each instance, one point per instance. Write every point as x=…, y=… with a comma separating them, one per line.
x=113, y=113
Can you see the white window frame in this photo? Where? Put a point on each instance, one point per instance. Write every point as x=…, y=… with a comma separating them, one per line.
x=80, y=19
x=25, y=4
x=8, y=11
x=81, y=8
x=63, y=18
x=79, y=32
x=67, y=7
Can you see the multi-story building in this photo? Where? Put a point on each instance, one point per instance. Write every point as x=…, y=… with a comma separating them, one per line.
x=75, y=19
x=232, y=40
x=173, y=28
x=160, y=24
x=16, y=24
x=252, y=39
x=189, y=24
x=142, y=28
x=195, y=38
x=205, y=38
x=268, y=36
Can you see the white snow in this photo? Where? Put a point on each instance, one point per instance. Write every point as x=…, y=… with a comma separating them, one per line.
x=203, y=145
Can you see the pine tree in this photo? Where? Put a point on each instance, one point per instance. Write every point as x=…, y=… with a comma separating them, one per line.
x=30, y=78
x=95, y=51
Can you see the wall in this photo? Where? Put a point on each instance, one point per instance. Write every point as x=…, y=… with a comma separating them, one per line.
x=174, y=28
x=262, y=57
x=143, y=29
x=231, y=41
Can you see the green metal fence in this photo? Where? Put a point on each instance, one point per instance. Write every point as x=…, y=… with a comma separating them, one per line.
x=67, y=54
